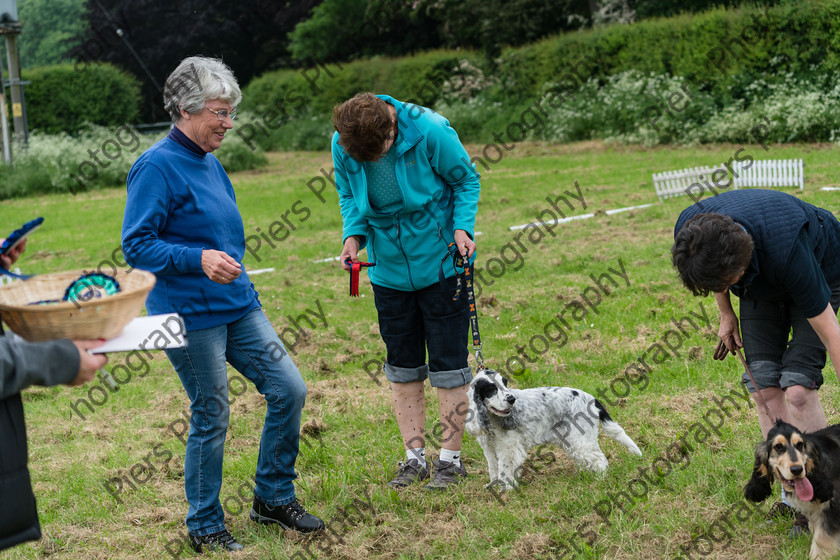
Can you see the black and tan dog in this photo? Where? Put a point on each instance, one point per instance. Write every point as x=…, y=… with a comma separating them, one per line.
x=808, y=466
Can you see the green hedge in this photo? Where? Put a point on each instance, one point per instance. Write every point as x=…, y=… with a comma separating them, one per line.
x=724, y=56
x=790, y=38
x=625, y=109
x=291, y=109
x=64, y=163
x=318, y=89
x=62, y=98
x=720, y=49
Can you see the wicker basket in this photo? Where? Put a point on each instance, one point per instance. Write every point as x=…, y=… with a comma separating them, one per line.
x=99, y=318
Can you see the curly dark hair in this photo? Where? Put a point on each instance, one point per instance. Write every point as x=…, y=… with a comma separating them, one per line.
x=709, y=251
x=363, y=124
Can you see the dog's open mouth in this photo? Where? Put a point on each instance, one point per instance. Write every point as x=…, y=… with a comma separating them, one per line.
x=802, y=487
x=498, y=412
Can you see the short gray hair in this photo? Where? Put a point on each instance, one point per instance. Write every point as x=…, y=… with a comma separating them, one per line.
x=195, y=81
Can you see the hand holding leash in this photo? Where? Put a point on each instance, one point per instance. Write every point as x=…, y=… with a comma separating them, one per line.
x=350, y=251
x=721, y=351
x=355, y=269
x=466, y=246
x=730, y=338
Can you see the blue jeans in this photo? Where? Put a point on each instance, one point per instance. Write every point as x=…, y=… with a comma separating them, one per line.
x=250, y=345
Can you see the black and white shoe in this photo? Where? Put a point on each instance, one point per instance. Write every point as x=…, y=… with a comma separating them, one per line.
x=222, y=540
x=289, y=516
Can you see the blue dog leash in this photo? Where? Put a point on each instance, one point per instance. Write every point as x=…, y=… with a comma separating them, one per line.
x=5, y=272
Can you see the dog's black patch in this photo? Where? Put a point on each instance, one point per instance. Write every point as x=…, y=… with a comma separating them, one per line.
x=485, y=389
x=483, y=386
x=603, y=415
x=510, y=422
x=575, y=393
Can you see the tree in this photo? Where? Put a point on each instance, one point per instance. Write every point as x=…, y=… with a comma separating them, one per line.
x=489, y=25
x=347, y=29
x=613, y=11
x=51, y=28
x=150, y=37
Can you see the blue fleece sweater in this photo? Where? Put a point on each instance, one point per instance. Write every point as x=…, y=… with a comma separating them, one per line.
x=180, y=203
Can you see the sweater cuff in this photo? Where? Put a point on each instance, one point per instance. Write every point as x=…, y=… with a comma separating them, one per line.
x=467, y=227
x=362, y=235
x=194, y=259
x=68, y=355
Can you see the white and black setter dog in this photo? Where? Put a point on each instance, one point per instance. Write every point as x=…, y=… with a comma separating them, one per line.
x=508, y=423
x=807, y=465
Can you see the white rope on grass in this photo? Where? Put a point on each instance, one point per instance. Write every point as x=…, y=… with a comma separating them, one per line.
x=619, y=210
x=560, y=221
x=260, y=271
x=581, y=217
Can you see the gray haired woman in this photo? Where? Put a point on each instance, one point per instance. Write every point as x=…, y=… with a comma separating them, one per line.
x=182, y=223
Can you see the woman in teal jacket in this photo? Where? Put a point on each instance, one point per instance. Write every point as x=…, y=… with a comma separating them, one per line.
x=406, y=190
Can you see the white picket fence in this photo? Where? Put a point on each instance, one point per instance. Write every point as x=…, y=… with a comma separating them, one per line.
x=770, y=173
x=675, y=183
x=758, y=173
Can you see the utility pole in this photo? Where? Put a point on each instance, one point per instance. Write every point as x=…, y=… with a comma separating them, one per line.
x=4, y=123
x=10, y=28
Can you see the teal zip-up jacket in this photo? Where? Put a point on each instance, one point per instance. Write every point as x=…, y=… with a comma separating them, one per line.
x=439, y=187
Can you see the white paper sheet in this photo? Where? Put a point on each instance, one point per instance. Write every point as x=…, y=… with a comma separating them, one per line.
x=153, y=332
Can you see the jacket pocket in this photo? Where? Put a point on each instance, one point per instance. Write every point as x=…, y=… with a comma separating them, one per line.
x=370, y=243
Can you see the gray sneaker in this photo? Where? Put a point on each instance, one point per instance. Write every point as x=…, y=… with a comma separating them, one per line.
x=446, y=474
x=408, y=473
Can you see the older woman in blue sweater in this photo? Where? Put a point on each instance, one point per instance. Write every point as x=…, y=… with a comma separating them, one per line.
x=182, y=223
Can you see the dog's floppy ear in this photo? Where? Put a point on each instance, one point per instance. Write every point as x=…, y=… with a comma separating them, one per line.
x=483, y=388
x=814, y=470
x=758, y=488
x=811, y=452
x=823, y=488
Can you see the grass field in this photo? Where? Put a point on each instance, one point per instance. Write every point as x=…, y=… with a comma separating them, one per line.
x=110, y=485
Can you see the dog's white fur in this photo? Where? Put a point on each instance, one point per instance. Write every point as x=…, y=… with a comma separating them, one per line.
x=508, y=423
